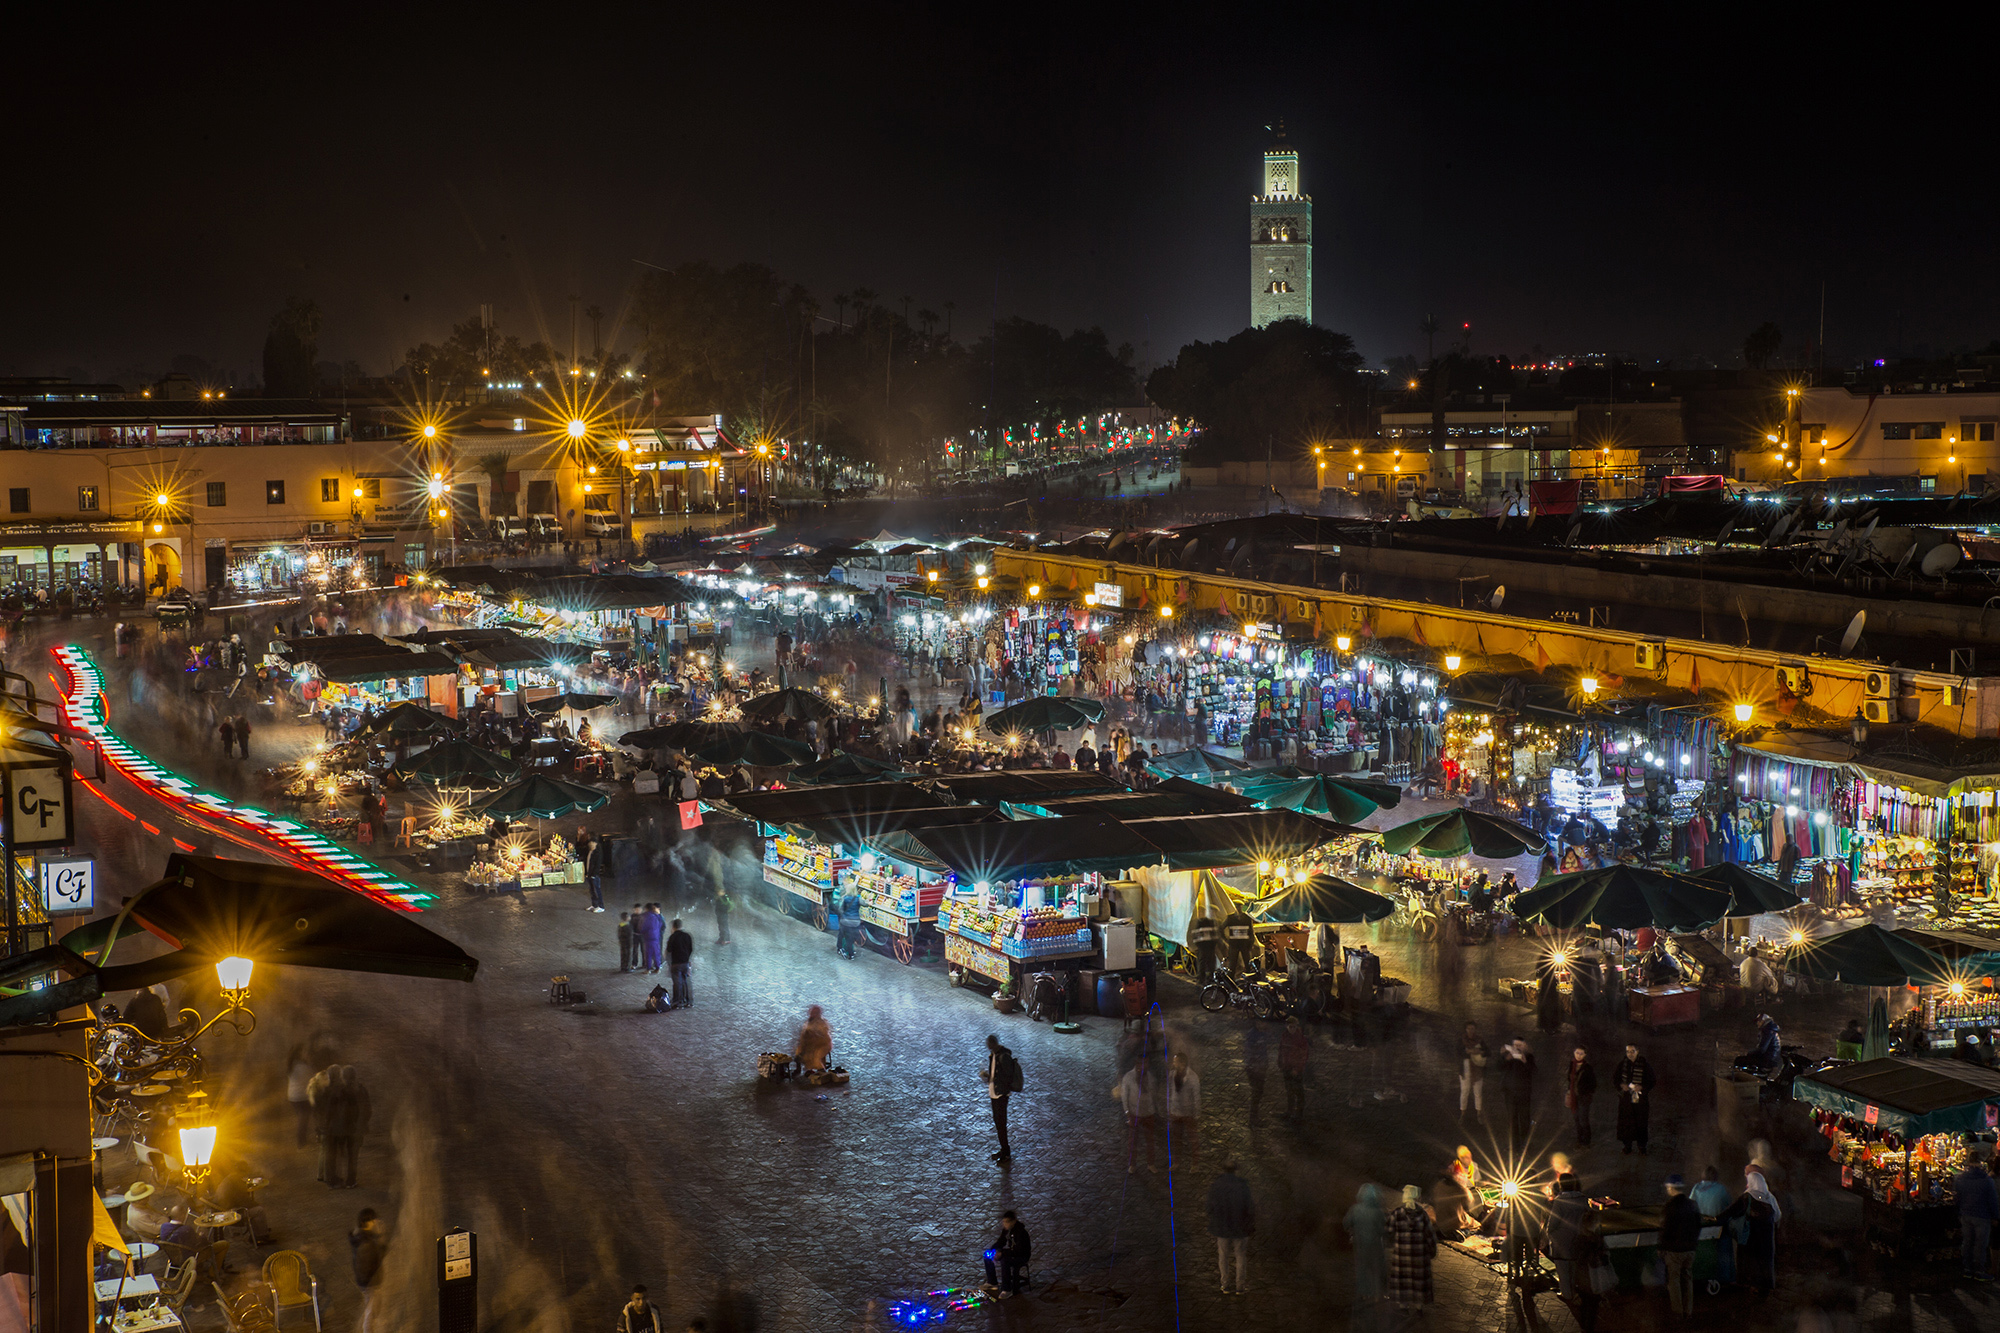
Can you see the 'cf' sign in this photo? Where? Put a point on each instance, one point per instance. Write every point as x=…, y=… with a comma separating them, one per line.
x=38, y=809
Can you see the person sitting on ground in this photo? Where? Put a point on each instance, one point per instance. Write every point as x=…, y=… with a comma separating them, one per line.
x=814, y=1047
x=1010, y=1254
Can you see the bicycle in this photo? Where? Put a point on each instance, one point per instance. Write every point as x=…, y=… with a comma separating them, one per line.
x=1415, y=912
x=1228, y=991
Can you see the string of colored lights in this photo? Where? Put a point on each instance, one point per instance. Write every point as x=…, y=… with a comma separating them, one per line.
x=298, y=844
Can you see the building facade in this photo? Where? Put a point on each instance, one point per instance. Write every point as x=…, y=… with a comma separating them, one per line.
x=1939, y=442
x=1280, y=241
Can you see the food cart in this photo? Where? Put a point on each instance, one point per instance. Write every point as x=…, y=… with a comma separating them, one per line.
x=1901, y=1129
x=800, y=831
x=1632, y=1237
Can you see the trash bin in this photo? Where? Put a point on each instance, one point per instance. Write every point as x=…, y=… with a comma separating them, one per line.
x=1110, y=995
x=1736, y=1105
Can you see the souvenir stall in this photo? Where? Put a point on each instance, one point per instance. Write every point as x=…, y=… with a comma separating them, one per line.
x=523, y=861
x=804, y=870
x=1900, y=1130
x=1811, y=805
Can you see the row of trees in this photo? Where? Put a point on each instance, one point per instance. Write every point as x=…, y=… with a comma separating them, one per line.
x=1277, y=388
x=867, y=382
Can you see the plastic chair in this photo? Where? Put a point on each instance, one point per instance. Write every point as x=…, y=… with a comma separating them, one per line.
x=292, y=1284
x=406, y=833
x=178, y=1287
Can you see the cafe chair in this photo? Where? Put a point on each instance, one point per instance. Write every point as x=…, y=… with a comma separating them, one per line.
x=292, y=1284
x=176, y=1288
x=245, y=1312
x=406, y=832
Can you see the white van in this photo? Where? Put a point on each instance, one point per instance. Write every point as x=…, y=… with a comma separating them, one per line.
x=598, y=523
x=545, y=527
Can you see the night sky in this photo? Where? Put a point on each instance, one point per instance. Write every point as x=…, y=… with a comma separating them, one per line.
x=1656, y=191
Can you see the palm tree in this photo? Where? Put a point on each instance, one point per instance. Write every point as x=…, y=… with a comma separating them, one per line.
x=595, y=314
x=864, y=300
x=929, y=319
x=840, y=303
x=949, y=306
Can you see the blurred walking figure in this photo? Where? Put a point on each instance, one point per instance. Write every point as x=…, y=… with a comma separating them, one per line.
x=1294, y=1054
x=1232, y=1220
x=367, y=1245
x=1136, y=1094
x=298, y=1078
x=1368, y=1227
x=1003, y=1080
x=1256, y=1065
x=722, y=906
x=320, y=1094
x=347, y=1122
x=1472, y=1073
x=1582, y=1087
x=624, y=941
x=1517, y=1086
x=1184, y=1111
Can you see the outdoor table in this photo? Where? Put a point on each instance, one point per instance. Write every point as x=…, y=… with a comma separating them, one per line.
x=1663, y=1006
x=139, y=1284
x=1632, y=1237
x=152, y=1319
x=226, y=1218
x=170, y=1075
x=143, y=1251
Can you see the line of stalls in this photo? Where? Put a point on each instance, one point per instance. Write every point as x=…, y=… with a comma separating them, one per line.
x=1888, y=827
x=1276, y=690
x=1014, y=872
x=448, y=670
x=613, y=614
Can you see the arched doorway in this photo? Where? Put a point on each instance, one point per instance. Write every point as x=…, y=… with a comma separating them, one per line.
x=163, y=568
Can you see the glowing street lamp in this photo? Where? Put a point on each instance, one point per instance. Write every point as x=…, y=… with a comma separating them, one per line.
x=1452, y=661
x=1589, y=684
x=198, y=1135
x=576, y=428
x=1744, y=712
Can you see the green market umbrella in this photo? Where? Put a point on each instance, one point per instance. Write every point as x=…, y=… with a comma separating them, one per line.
x=1314, y=795
x=681, y=735
x=1322, y=898
x=583, y=703
x=1385, y=795
x=1625, y=897
x=1867, y=956
x=456, y=763
x=409, y=718
x=543, y=798
x=846, y=767
x=1196, y=763
x=791, y=702
x=758, y=749
x=1750, y=894
x=1464, y=833
x=1045, y=713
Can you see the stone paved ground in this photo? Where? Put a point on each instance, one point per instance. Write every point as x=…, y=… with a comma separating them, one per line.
x=598, y=1146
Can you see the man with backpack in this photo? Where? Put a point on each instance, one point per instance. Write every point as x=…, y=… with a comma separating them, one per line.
x=1002, y=1079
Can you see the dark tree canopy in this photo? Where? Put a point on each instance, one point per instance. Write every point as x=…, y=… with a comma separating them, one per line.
x=1762, y=344
x=475, y=355
x=1281, y=386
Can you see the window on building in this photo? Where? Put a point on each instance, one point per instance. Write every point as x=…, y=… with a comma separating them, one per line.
x=86, y=499
x=1928, y=485
x=1927, y=430
x=1815, y=433
x=17, y=500
x=274, y=492
x=1975, y=430
x=371, y=488
x=1896, y=430
x=329, y=490
x=218, y=494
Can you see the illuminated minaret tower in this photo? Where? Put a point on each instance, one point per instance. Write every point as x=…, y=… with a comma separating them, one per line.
x=1281, y=283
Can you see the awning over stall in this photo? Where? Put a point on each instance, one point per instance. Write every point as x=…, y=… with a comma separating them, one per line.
x=1908, y=1097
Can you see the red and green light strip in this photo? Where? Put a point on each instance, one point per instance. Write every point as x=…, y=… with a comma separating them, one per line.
x=297, y=843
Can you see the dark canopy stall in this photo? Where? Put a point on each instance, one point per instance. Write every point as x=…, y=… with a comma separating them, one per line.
x=1908, y=1097
x=1323, y=898
x=1624, y=897
x=1022, y=785
x=851, y=801
x=390, y=665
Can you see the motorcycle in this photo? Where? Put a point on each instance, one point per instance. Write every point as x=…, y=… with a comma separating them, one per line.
x=1228, y=991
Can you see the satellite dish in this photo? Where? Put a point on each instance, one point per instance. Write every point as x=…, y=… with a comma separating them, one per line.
x=1940, y=559
x=1727, y=528
x=1853, y=635
x=1903, y=565
x=1499, y=595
